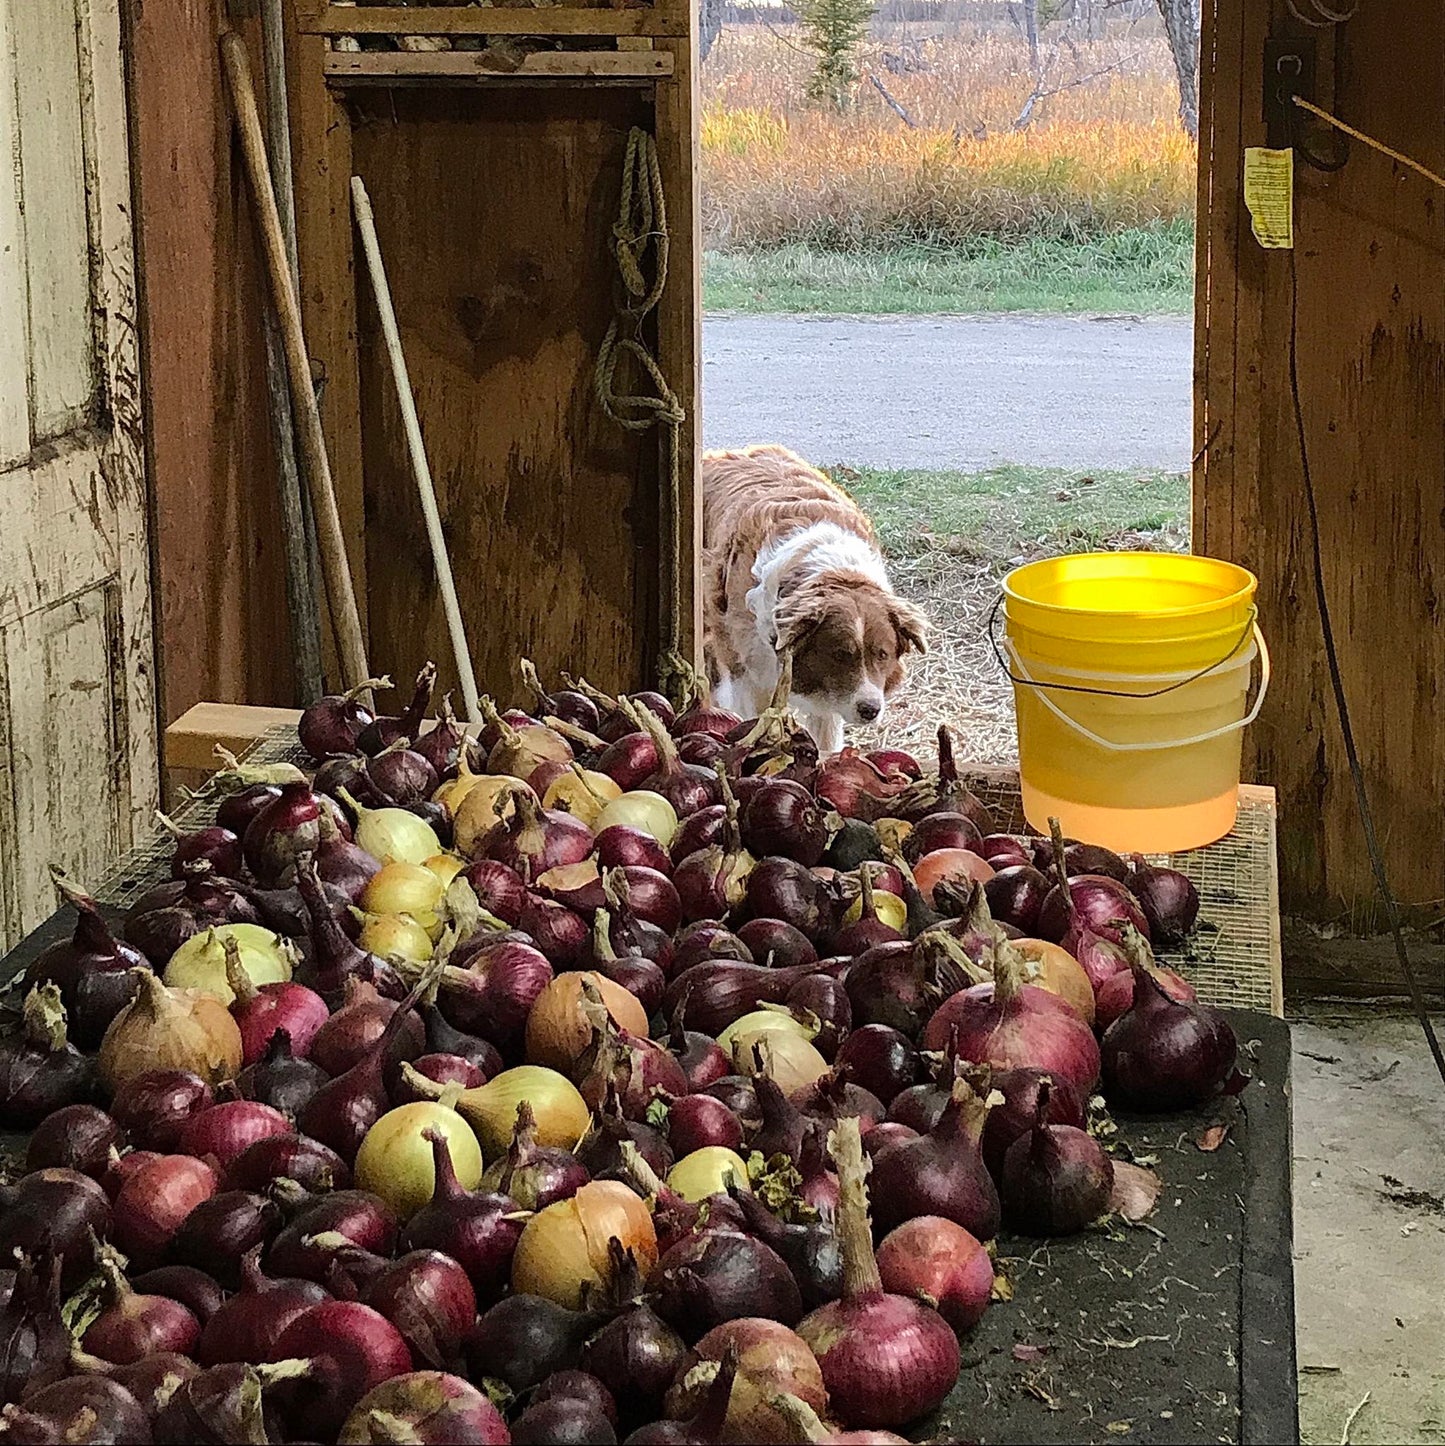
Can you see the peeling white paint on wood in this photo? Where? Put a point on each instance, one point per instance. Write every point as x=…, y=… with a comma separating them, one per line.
x=14, y=308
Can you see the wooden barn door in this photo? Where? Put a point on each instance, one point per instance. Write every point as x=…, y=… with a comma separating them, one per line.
x=77, y=727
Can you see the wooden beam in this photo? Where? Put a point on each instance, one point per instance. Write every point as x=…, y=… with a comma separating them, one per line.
x=191, y=740
x=432, y=67
x=492, y=20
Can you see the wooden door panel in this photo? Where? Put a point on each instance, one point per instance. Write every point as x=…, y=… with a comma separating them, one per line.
x=14, y=308
x=64, y=747
x=52, y=164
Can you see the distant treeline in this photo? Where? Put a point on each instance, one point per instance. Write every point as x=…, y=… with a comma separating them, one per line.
x=978, y=12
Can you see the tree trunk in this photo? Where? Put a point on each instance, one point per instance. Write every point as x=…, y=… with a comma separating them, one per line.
x=709, y=26
x=1031, y=31
x=1181, y=25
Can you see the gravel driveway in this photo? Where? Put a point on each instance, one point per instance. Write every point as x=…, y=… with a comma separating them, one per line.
x=955, y=392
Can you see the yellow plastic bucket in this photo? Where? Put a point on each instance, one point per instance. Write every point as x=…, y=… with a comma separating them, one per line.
x=1131, y=675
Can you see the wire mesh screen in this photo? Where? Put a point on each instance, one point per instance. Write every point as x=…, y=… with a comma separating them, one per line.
x=1232, y=958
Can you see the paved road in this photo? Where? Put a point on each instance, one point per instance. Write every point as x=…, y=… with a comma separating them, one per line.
x=960, y=392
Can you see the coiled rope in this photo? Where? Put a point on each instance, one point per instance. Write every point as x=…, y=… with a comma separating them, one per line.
x=640, y=229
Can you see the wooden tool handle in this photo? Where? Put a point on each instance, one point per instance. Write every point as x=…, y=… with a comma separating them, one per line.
x=335, y=568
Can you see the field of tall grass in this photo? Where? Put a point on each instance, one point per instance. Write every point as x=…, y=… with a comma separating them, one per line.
x=1100, y=153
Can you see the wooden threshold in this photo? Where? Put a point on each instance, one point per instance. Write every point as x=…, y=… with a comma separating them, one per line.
x=494, y=20
x=191, y=740
x=478, y=67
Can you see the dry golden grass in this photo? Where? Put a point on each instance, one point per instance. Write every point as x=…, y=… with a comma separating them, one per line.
x=1105, y=153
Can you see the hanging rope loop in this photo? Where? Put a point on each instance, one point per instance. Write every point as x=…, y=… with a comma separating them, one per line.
x=640, y=243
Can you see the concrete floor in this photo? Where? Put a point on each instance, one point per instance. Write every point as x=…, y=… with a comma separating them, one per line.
x=1369, y=1183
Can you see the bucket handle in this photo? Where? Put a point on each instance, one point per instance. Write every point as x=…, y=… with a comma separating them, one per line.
x=1112, y=747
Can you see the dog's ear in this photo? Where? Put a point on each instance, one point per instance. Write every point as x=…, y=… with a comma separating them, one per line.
x=797, y=616
x=910, y=625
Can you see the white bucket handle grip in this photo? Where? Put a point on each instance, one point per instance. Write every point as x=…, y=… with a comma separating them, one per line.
x=1111, y=746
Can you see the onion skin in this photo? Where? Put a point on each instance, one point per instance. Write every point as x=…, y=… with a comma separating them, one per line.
x=40, y=1070
x=939, y=1262
x=426, y=1295
x=563, y=1250
x=81, y=1410
x=1165, y=1054
x=37, y=1343
x=300, y=1011
x=169, y=1029
x=697, y=1121
x=361, y=1218
x=432, y=1408
x=1099, y=901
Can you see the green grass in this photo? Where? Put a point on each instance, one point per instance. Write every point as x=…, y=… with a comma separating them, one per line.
x=1129, y=271
x=1010, y=509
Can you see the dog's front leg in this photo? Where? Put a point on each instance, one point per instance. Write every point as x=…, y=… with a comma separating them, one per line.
x=827, y=729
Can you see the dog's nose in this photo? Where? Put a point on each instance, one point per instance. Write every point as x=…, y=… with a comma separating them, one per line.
x=868, y=710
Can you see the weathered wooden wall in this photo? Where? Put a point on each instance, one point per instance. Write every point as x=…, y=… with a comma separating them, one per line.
x=220, y=599
x=1371, y=359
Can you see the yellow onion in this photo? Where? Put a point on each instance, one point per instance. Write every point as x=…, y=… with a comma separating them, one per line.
x=558, y=1030
x=395, y=936
x=582, y=793
x=764, y=1021
x=490, y=799
x=787, y=1059
x=891, y=910
x=891, y=833
x=395, y=1160
x=165, y=1028
x=563, y=1251
x=446, y=867
x=200, y=963
x=642, y=809
x=389, y=834
x=706, y=1172
x=451, y=793
x=410, y=889
x=560, y=1112
x=1052, y=967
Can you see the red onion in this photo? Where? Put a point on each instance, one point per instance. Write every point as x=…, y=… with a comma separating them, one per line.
x=87, y=1410
x=777, y=943
x=91, y=969
x=346, y=1037
x=942, y=1172
x=279, y=1079
x=426, y=1295
x=946, y=794
x=1169, y=900
x=1016, y=894
x=472, y=1228
x=559, y=932
x=809, y=1249
x=941, y=831
x=535, y=839
x=224, y=1404
x=534, y=1176
x=218, y=847
x=439, y=1069
x=249, y=1323
x=121, y=1167
x=523, y=1339
x=884, y=1137
x=360, y=1218
x=700, y=830
x=1166, y=1054
x=219, y=1231
x=430, y=1408
x=443, y=1038
x=1003, y=850
x=401, y=775
x=384, y=730
x=737, y=1093
x=1021, y=1090
x=686, y=786
x=721, y=1275
x=601, y=1148
x=1116, y=994
x=500, y=890
x=857, y=787
x=707, y=939
x=331, y=725
x=54, y=1211
x=938, y=1261
x=886, y=1359
x=636, y=1354
x=832, y=1096
x=153, y=1107
x=826, y=999
x=894, y=761
x=782, y=819
x=153, y=1203
x=629, y=759
x=132, y=1326
x=1087, y=858
x=881, y=1059
x=494, y=994
x=563, y=1421
x=782, y=1124
x=1011, y=1025
x=224, y=1130
x=36, y=1341
x=712, y=881
x=162, y=919
x=78, y=1137
x=199, y=1292
x=921, y=1106
x=441, y=744
x=638, y=1068
x=817, y=1185
x=702, y=1059
x=237, y=809
x=340, y=1113
x=704, y=716
x=285, y=828
x=621, y=846
x=806, y=1426
x=152, y=1380
x=903, y=984
x=710, y=995
x=1099, y=901
x=1056, y=1179
x=780, y=888
x=288, y=1157
x=696, y=1121
x=707, y=1425
x=297, y=1010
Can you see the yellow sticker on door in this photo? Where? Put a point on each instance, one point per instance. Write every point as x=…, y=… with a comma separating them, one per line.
x=1269, y=196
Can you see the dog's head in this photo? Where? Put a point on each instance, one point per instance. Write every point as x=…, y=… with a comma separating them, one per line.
x=848, y=638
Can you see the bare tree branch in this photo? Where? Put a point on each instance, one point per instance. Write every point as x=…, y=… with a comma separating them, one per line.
x=893, y=104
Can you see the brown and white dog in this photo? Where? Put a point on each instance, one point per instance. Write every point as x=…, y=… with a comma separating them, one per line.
x=791, y=562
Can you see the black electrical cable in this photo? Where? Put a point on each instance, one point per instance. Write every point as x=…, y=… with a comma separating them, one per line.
x=1342, y=707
